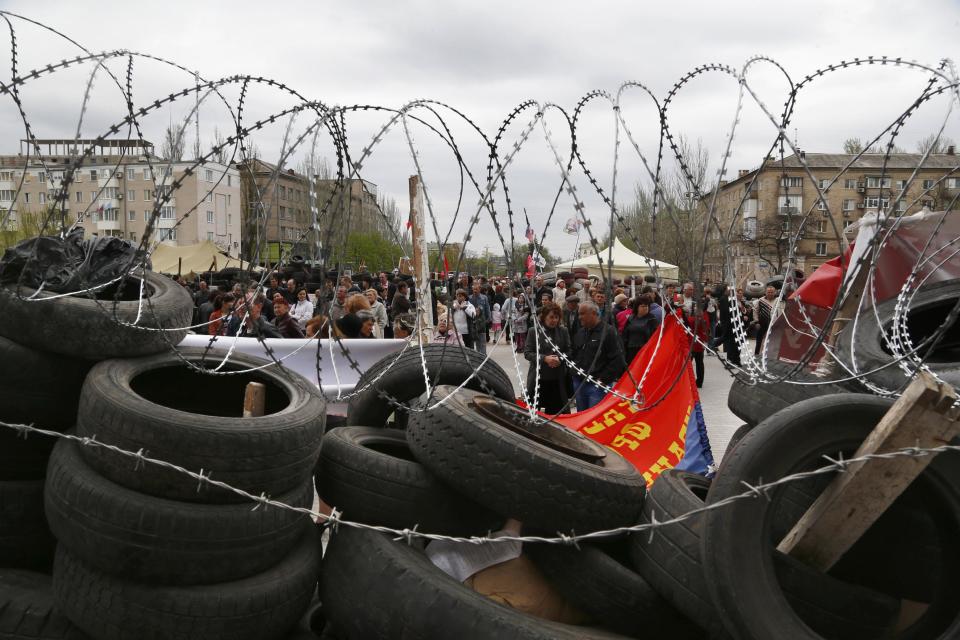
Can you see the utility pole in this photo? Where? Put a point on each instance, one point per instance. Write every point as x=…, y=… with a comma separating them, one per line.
x=421, y=267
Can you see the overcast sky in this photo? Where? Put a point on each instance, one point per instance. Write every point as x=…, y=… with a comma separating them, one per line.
x=485, y=58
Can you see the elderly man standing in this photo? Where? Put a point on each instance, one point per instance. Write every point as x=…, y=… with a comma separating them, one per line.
x=598, y=352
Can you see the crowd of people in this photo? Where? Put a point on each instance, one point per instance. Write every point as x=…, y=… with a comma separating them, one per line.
x=600, y=339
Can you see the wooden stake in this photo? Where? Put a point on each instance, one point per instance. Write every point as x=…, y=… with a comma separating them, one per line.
x=922, y=417
x=254, y=399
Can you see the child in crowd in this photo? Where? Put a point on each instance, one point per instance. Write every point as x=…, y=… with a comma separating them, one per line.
x=497, y=321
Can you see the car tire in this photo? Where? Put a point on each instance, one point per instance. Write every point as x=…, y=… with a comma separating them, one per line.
x=266, y=606
x=928, y=309
x=370, y=476
x=173, y=413
x=395, y=379
x=517, y=477
x=40, y=324
x=414, y=599
x=738, y=540
x=147, y=539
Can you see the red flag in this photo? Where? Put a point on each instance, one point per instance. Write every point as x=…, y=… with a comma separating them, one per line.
x=446, y=267
x=669, y=434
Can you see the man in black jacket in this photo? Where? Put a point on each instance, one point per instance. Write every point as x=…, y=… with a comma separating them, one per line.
x=598, y=352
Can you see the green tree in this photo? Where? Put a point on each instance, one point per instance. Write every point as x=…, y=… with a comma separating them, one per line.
x=378, y=253
x=27, y=224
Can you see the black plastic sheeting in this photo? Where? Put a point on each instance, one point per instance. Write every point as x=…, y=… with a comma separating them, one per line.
x=66, y=265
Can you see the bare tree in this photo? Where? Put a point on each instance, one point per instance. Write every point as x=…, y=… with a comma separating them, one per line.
x=852, y=146
x=171, y=148
x=222, y=153
x=935, y=144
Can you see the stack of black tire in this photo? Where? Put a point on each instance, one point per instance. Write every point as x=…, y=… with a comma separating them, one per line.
x=867, y=349
x=471, y=461
x=145, y=551
x=721, y=567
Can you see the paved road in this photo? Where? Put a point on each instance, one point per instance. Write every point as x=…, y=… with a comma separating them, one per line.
x=713, y=396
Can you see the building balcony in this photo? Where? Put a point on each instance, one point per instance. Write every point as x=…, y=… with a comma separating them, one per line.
x=788, y=211
x=109, y=223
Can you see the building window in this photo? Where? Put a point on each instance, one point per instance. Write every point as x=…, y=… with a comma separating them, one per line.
x=874, y=202
x=131, y=194
x=147, y=194
x=146, y=173
x=210, y=236
x=953, y=183
x=849, y=205
x=823, y=183
x=228, y=199
x=750, y=228
x=209, y=197
x=109, y=193
x=209, y=217
x=146, y=216
x=821, y=205
x=821, y=248
x=208, y=175
x=93, y=174
x=167, y=172
x=282, y=190
x=167, y=234
x=26, y=198
x=42, y=197
x=901, y=205
x=789, y=205
x=850, y=183
x=229, y=218
x=229, y=180
x=821, y=226
x=878, y=182
x=131, y=216
x=167, y=213
x=791, y=181
x=131, y=174
x=901, y=184
x=283, y=213
x=79, y=196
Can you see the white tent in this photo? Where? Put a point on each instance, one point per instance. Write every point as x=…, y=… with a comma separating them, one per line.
x=195, y=258
x=624, y=263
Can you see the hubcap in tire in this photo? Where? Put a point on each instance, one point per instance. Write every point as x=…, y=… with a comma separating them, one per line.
x=545, y=432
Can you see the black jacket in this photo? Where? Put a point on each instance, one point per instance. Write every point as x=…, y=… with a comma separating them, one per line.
x=638, y=330
x=561, y=338
x=602, y=338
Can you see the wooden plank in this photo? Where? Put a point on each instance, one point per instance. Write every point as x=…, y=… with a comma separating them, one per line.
x=922, y=417
x=254, y=399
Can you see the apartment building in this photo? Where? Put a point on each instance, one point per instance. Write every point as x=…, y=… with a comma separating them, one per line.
x=277, y=216
x=768, y=206
x=116, y=191
x=279, y=219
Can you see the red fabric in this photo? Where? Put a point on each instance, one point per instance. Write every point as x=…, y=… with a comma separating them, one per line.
x=821, y=287
x=652, y=439
x=702, y=328
x=622, y=318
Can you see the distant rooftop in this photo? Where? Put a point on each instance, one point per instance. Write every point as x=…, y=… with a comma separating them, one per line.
x=75, y=147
